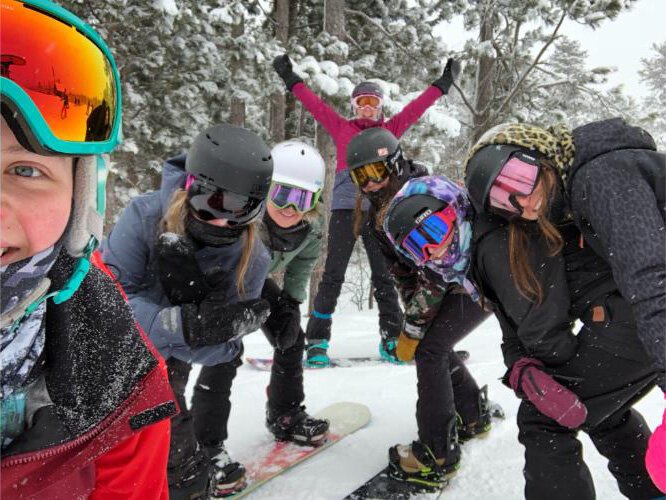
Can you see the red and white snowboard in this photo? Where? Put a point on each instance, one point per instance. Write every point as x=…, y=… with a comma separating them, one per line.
x=345, y=418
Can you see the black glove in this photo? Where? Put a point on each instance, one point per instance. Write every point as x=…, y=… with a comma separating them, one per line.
x=213, y=321
x=178, y=271
x=285, y=70
x=284, y=322
x=449, y=75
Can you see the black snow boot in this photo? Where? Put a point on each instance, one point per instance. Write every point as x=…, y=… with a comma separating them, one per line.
x=481, y=427
x=297, y=426
x=189, y=479
x=227, y=477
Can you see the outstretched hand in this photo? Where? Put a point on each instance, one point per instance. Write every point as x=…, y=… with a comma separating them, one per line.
x=449, y=76
x=283, y=67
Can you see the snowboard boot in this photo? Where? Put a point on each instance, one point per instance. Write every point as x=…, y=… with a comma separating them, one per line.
x=316, y=355
x=480, y=428
x=415, y=463
x=189, y=479
x=227, y=477
x=387, y=346
x=297, y=426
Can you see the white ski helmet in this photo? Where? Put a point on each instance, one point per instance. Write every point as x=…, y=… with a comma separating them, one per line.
x=298, y=164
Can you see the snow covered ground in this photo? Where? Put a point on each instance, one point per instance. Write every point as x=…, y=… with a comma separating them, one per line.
x=491, y=467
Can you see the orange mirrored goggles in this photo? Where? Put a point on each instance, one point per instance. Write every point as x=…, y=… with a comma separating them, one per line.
x=376, y=172
x=68, y=77
x=367, y=100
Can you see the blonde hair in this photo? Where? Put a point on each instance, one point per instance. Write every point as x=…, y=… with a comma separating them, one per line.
x=524, y=276
x=173, y=221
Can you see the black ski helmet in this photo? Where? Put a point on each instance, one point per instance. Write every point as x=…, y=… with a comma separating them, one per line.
x=367, y=88
x=483, y=168
x=409, y=212
x=372, y=145
x=233, y=159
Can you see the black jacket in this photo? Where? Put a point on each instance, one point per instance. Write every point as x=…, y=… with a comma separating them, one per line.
x=541, y=331
x=616, y=189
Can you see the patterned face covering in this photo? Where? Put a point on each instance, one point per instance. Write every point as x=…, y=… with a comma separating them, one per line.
x=22, y=344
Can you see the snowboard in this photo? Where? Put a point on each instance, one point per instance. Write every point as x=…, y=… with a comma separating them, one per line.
x=345, y=418
x=265, y=364
x=381, y=486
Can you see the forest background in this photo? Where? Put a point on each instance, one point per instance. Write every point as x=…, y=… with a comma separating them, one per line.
x=188, y=64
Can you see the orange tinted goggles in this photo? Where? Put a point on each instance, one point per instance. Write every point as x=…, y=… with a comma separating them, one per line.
x=65, y=74
x=368, y=100
x=375, y=172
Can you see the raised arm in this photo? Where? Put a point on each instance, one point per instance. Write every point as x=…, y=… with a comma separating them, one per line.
x=322, y=112
x=411, y=113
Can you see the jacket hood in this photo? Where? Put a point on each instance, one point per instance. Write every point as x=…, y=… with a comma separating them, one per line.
x=173, y=177
x=602, y=137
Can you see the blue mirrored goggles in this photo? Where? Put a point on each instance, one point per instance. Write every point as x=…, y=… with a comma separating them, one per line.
x=431, y=233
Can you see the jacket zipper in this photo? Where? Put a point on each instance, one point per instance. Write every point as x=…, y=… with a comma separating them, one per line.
x=53, y=451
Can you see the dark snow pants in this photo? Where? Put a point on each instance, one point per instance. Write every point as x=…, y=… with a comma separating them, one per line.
x=206, y=421
x=609, y=373
x=445, y=385
x=286, y=385
x=340, y=246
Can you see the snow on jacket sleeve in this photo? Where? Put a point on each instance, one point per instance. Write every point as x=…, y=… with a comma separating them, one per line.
x=136, y=468
x=126, y=252
x=622, y=209
x=544, y=329
x=298, y=271
x=322, y=112
x=411, y=113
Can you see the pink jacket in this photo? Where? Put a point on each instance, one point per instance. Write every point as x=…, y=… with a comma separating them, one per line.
x=655, y=458
x=342, y=130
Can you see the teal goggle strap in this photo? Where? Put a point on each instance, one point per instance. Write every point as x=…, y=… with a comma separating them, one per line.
x=70, y=287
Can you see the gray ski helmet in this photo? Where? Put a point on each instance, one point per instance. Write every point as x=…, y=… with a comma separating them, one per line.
x=374, y=144
x=233, y=159
x=368, y=88
x=483, y=168
x=409, y=212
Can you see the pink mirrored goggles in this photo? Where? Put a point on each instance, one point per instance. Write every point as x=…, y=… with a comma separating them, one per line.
x=518, y=177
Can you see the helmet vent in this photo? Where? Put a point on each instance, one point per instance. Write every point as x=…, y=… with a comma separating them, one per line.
x=212, y=140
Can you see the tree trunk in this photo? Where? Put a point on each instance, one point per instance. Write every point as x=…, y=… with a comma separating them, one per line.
x=278, y=99
x=237, y=107
x=334, y=24
x=484, y=76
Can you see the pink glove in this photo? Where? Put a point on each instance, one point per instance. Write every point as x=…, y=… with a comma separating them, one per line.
x=655, y=458
x=550, y=397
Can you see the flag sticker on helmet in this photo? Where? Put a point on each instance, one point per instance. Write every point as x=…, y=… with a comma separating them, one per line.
x=382, y=152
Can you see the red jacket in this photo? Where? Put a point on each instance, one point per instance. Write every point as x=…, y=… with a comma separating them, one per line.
x=107, y=433
x=342, y=130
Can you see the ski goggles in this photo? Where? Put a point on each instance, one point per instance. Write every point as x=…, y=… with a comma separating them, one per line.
x=209, y=203
x=375, y=172
x=283, y=196
x=518, y=177
x=431, y=233
x=361, y=101
x=60, y=77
